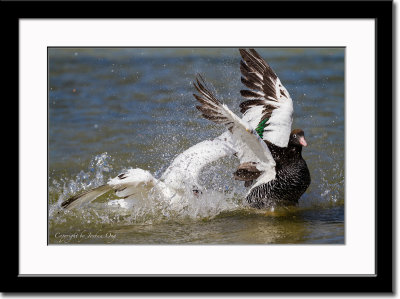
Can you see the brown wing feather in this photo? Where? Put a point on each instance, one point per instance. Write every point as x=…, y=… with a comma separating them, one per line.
x=209, y=104
x=259, y=77
x=257, y=74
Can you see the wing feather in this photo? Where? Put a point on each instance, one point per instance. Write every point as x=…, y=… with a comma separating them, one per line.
x=251, y=148
x=266, y=91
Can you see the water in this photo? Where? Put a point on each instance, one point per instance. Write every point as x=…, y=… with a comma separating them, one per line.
x=113, y=109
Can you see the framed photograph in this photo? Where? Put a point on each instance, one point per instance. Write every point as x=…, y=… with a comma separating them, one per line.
x=202, y=149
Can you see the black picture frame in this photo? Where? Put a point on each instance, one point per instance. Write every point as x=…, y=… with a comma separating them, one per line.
x=381, y=11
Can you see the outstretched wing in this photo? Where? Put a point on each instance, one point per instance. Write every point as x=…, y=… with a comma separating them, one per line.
x=133, y=182
x=85, y=197
x=268, y=106
x=250, y=147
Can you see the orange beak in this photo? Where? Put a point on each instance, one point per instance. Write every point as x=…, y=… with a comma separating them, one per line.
x=303, y=141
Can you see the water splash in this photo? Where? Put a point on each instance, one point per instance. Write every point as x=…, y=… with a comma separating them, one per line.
x=84, y=180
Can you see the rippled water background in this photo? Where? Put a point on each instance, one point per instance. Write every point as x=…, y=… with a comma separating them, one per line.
x=115, y=108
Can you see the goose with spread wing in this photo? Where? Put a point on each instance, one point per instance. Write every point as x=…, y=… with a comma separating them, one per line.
x=269, y=152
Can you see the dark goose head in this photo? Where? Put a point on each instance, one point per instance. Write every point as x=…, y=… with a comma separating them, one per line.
x=297, y=138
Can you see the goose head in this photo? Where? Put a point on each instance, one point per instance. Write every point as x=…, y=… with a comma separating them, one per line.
x=297, y=138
